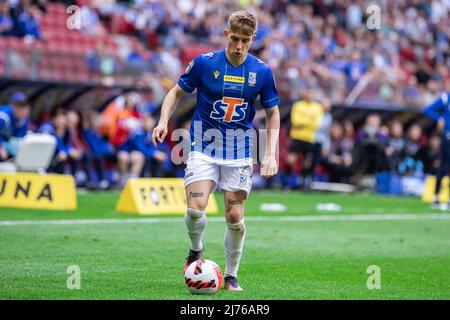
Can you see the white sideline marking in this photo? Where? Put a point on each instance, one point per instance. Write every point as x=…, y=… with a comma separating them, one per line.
x=360, y=217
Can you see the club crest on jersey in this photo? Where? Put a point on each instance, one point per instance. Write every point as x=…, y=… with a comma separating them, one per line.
x=252, y=78
x=216, y=74
x=229, y=109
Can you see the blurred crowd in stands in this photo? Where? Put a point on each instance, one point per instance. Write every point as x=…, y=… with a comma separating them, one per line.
x=320, y=148
x=21, y=18
x=105, y=149
x=323, y=45
x=320, y=51
x=92, y=146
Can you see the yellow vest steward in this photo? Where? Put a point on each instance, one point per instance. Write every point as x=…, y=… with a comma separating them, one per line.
x=306, y=117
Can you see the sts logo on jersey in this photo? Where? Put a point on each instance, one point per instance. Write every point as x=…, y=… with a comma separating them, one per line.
x=229, y=109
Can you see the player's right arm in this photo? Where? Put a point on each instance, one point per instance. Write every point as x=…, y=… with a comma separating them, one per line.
x=167, y=109
x=186, y=84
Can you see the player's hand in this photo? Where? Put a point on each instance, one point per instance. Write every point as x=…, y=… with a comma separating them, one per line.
x=269, y=167
x=159, y=133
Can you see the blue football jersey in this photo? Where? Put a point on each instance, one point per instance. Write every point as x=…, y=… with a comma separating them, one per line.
x=222, y=123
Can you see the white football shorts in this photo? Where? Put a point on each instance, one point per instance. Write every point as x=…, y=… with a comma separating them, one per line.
x=228, y=175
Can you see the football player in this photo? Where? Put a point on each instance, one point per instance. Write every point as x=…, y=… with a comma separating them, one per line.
x=228, y=82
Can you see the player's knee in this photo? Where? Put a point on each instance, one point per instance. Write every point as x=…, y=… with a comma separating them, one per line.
x=195, y=213
x=234, y=215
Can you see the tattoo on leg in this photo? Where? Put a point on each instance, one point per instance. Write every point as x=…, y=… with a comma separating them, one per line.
x=195, y=194
x=233, y=202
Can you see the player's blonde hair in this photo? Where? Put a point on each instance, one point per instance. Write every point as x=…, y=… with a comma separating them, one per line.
x=243, y=21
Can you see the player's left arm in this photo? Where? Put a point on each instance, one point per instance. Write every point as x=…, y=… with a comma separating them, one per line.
x=269, y=166
x=269, y=101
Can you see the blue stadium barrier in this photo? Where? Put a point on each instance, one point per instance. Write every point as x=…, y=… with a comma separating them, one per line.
x=389, y=183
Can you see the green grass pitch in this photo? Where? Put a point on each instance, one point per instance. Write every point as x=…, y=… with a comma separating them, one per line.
x=286, y=258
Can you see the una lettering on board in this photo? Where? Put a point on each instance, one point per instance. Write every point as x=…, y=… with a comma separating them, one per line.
x=24, y=190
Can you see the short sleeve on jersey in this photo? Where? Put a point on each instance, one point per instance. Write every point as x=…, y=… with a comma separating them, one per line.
x=191, y=77
x=269, y=94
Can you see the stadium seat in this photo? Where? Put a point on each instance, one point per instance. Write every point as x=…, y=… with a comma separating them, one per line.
x=37, y=46
x=56, y=10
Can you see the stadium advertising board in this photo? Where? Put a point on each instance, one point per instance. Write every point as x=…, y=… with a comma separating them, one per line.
x=156, y=196
x=430, y=184
x=35, y=191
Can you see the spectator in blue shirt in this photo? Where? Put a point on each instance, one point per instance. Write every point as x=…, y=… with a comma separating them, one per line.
x=130, y=161
x=98, y=144
x=369, y=156
x=57, y=127
x=14, y=122
x=101, y=150
x=354, y=69
x=6, y=22
x=157, y=160
x=29, y=22
x=137, y=61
